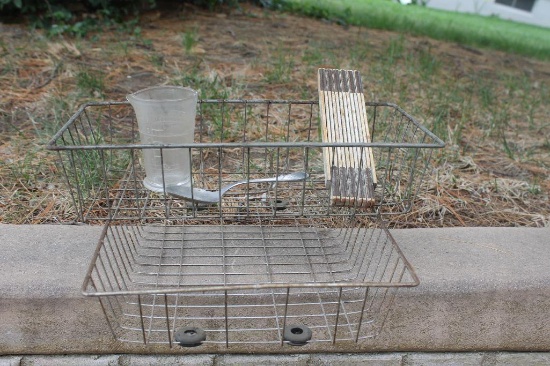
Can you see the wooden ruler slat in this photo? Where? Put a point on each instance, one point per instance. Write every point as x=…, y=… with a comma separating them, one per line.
x=350, y=170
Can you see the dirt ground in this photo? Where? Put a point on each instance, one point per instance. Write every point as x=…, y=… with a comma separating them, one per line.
x=491, y=108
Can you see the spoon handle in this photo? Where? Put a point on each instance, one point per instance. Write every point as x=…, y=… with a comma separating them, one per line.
x=292, y=177
x=280, y=178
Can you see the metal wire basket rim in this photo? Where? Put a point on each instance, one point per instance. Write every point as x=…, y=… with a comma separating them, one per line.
x=410, y=269
x=245, y=145
x=52, y=144
x=414, y=283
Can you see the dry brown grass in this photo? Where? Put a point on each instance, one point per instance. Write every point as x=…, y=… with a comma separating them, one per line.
x=493, y=109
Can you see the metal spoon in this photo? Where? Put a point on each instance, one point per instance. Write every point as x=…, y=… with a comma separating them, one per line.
x=204, y=196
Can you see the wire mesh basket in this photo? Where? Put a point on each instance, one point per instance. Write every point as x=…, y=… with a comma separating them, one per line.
x=267, y=283
x=268, y=263
x=100, y=154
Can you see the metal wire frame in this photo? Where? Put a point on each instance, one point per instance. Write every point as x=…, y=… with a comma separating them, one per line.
x=235, y=139
x=246, y=284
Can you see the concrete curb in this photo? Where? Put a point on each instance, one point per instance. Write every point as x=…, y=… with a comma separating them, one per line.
x=482, y=289
x=382, y=359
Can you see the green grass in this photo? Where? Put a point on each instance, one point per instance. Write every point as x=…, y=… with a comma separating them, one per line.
x=281, y=69
x=91, y=83
x=189, y=39
x=467, y=29
x=498, y=104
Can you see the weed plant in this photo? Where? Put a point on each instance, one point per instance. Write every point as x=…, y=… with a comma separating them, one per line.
x=90, y=83
x=189, y=39
x=280, y=71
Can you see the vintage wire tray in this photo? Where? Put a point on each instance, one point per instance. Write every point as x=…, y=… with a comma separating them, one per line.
x=248, y=284
x=270, y=264
x=99, y=153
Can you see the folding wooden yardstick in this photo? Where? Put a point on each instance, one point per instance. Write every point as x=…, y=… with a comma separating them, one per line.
x=350, y=170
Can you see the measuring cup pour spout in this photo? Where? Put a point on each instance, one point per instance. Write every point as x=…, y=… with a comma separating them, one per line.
x=165, y=116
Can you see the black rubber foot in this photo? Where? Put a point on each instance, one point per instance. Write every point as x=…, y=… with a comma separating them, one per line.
x=280, y=205
x=190, y=336
x=297, y=335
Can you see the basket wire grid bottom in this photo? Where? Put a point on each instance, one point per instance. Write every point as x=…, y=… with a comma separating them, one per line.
x=246, y=284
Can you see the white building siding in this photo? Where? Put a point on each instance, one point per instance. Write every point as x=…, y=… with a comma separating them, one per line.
x=539, y=15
